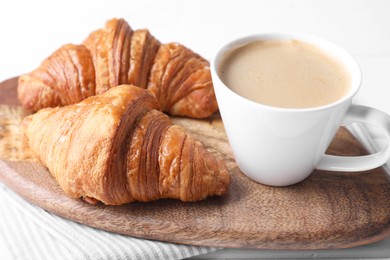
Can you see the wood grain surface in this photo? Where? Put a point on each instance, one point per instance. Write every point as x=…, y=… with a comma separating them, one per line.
x=327, y=210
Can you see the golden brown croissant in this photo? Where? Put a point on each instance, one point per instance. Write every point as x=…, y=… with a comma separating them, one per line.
x=117, y=148
x=117, y=55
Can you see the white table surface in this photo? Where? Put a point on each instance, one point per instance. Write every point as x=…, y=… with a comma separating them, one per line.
x=31, y=30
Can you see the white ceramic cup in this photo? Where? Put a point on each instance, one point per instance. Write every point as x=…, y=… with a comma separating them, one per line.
x=282, y=146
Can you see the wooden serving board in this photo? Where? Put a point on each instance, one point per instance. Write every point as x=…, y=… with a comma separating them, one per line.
x=327, y=210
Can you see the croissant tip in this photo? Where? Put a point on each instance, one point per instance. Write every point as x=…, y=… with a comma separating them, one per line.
x=90, y=200
x=224, y=179
x=223, y=186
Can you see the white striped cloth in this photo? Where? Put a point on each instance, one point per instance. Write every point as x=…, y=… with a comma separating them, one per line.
x=29, y=232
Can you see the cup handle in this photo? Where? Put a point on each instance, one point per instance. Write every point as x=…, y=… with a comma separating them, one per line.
x=360, y=114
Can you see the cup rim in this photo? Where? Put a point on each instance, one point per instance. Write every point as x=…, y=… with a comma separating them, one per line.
x=329, y=47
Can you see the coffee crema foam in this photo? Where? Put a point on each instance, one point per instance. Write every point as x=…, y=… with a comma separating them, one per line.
x=285, y=73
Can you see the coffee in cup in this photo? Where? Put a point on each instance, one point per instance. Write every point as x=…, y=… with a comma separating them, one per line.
x=284, y=73
x=282, y=98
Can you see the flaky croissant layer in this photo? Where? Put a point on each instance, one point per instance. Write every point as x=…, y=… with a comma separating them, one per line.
x=115, y=55
x=118, y=148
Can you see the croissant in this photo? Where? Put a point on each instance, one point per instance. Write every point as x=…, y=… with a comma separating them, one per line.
x=115, y=55
x=118, y=148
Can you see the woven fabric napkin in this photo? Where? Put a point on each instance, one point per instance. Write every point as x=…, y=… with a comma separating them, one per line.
x=29, y=232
